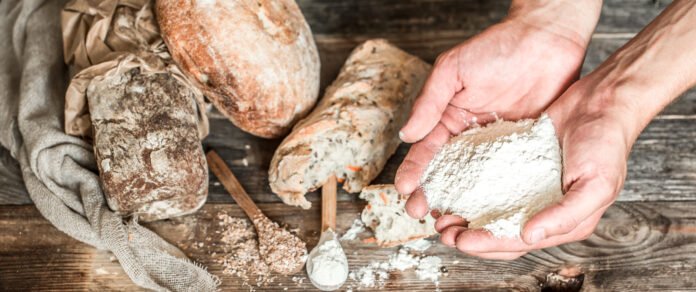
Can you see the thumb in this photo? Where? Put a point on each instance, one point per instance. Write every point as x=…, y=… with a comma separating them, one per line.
x=582, y=200
x=441, y=86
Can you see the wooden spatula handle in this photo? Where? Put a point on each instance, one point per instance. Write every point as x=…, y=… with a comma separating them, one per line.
x=232, y=185
x=328, y=204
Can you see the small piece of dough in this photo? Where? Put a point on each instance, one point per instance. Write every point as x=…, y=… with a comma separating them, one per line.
x=354, y=129
x=385, y=214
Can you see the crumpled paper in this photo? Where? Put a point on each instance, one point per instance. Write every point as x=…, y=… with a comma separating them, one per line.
x=77, y=118
x=95, y=31
x=111, y=36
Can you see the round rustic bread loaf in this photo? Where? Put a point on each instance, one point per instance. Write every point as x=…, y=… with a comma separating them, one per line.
x=255, y=60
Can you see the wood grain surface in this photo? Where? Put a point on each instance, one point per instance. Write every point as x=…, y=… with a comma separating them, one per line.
x=12, y=190
x=645, y=242
x=637, y=246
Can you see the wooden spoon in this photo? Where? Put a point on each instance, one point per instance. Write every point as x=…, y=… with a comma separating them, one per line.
x=328, y=227
x=282, y=251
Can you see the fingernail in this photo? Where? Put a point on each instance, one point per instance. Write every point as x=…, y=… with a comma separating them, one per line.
x=401, y=136
x=537, y=235
x=435, y=214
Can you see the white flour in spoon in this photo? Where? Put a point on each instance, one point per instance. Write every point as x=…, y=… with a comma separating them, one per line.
x=497, y=176
x=330, y=265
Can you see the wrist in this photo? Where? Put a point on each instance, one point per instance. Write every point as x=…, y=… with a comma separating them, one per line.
x=607, y=96
x=569, y=19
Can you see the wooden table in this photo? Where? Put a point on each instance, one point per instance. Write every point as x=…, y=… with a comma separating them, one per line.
x=646, y=241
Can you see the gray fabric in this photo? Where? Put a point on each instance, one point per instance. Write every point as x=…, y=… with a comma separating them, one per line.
x=59, y=170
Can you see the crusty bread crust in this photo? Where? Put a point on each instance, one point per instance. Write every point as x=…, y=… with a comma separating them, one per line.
x=354, y=129
x=146, y=144
x=255, y=60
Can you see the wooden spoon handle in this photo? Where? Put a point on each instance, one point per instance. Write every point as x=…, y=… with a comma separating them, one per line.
x=232, y=185
x=328, y=204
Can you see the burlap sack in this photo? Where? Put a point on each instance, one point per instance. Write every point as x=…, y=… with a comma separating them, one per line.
x=77, y=119
x=95, y=31
x=57, y=168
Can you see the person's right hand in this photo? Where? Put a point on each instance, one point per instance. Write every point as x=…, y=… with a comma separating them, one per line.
x=514, y=69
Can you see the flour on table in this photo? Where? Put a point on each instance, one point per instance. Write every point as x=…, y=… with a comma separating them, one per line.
x=355, y=229
x=497, y=176
x=376, y=274
x=418, y=244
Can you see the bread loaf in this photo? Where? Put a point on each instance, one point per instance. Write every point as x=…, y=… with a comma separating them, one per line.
x=385, y=214
x=255, y=60
x=146, y=144
x=354, y=129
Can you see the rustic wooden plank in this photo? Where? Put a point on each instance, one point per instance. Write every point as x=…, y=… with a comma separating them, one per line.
x=387, y=17
x=426, y=42
x=12, y=190
x=634, y=241
x=333, y=51
x=662, y=165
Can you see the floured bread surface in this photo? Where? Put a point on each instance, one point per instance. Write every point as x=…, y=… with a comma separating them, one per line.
x=497, y=176
x=146, y=144
x=386, y=216
x=255, y=60
x=354, y=129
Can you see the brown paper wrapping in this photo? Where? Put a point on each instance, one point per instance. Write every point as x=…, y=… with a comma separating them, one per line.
x=103, y=37
x=77, y=119
x=95, y=31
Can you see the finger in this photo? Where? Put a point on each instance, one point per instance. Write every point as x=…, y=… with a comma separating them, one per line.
x=448, y=220
x=583, y=199
x=482, y=241
x=449, y=235
x=456, y=119
x=417, y=205
x=506, y=256
x=416, y=161
x=434, y=97
x=435, y=213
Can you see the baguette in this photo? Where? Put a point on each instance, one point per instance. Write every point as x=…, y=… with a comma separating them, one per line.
x=354, y=129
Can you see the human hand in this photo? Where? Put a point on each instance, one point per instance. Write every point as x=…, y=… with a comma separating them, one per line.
x=596, y=120
x=515, y=69
x=596, y=132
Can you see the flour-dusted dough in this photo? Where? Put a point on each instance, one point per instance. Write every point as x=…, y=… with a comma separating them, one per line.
x=385, y=214
x=354, y=129
x=497, y=176
x=255, y=60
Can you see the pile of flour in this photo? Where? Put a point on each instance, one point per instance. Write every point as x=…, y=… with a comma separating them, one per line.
x=330, y=265
x=376, y=274
x=497, y=176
